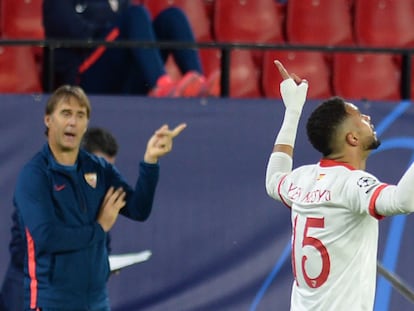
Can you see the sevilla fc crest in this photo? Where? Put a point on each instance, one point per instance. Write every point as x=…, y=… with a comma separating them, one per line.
x=91, y=179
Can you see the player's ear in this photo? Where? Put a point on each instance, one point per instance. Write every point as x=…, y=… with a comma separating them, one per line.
x=351, y=139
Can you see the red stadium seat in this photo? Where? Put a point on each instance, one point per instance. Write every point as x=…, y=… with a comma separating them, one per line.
x=22, y=19
x=384, y=22
x=244, y=75
x=194, y=9
x=252, y=21
x=210, y=59
x=312, y=66
x=209, y=6
x=366, y=76
x=18, y=72
x=1, y=18
x=249, y=21
x=324, y=22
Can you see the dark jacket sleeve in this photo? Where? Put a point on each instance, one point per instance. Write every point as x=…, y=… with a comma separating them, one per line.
x=16, y=246
x=139, y=200
x=34, y=202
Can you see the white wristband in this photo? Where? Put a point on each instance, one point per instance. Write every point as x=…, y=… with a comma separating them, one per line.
x=287, y=133
x=294, y=97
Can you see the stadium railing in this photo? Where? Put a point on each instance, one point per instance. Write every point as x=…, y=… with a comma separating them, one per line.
x=225, y=48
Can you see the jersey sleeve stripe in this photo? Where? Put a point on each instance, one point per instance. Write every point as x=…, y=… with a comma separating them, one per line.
x=374, y=197
x=32, y=269
x=280, y=195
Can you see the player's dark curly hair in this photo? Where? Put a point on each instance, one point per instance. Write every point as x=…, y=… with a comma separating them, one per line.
x=323, y=124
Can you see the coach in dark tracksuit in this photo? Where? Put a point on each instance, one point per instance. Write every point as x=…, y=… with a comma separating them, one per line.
x=97, y=141
x=67, y=200
x=132, y=70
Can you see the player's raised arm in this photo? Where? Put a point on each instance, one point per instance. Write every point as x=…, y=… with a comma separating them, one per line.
x=293, y=90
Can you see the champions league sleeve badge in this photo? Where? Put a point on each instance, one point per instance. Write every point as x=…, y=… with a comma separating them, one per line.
x=366, y=181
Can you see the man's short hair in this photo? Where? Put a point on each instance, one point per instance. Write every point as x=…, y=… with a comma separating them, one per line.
x=97, y=139
x=65, y=93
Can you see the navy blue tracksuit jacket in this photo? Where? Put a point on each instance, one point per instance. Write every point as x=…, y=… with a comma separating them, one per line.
x=66, y=263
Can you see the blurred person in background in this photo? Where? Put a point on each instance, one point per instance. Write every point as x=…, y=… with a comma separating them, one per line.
x=101, y=143
x=132, y=70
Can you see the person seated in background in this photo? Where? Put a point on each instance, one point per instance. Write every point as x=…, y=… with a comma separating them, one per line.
x=97, y=141
x=132, y=70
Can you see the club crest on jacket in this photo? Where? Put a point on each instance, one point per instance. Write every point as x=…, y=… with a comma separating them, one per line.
x=91, y=179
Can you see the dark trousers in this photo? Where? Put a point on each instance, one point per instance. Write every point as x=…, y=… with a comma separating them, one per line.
x=136, y=70
x=12, y=291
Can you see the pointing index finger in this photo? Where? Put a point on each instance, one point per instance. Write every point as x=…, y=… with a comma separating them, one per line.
x=283, y=72
x=178, y=129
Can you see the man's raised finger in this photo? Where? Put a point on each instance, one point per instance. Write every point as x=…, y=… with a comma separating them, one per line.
x=283, y=72
x=178, y=129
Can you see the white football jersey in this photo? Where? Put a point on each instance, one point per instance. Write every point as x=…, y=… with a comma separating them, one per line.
x=334, y=235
